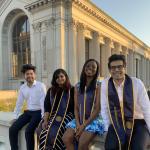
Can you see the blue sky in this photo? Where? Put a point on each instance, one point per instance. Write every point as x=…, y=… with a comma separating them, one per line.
x=134, y=15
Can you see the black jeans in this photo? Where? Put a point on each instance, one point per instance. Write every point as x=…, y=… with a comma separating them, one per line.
x=140, y=137
x=31, y=117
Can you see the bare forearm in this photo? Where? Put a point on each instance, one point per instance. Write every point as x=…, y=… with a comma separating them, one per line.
x=46, y=116
x=77, y=116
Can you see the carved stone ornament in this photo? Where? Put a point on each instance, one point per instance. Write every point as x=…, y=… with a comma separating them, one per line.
x=37, y=26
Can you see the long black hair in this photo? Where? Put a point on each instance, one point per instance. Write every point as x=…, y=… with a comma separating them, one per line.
x=83, y=76
x=55, y=86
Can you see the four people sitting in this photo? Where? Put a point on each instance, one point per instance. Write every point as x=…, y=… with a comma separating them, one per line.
x=118, y=106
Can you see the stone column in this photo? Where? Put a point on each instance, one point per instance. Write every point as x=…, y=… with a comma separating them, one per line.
x=59, y=45
x=117, y=48
x=143, y=69
x=102, y=54
x=96, y=46
x=124, y=51
x=106, y=52
x=50, y=44
x=37, y=48
x=80, y=47
x=44, y=50
x=1, y=63
x=60, y=35
x=131, y=63
x=147, y=72
x=72, y=52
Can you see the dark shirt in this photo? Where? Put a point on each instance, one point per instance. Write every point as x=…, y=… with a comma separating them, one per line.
x=47, y=104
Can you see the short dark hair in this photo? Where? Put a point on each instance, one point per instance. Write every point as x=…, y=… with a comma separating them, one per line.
x=116, y=57
x=26, y=67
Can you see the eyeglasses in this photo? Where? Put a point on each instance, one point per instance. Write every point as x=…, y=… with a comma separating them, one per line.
x=119, y=67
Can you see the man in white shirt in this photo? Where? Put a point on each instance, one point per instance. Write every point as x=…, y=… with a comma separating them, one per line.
x=34, y=93
x=125, y=108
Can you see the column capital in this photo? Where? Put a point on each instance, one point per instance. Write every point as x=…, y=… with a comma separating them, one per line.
x=43, y=24
x=99, y=36
x=109, y=42
x=96, y=34
x=125, y=50
x=146, y=54
x=81, y=26
x=49, y=22
x=37, y=26
x=73, y=22
x=117, y=46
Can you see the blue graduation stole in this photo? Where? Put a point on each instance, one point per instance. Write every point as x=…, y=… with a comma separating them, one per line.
x=122, y=119
x=57, y=119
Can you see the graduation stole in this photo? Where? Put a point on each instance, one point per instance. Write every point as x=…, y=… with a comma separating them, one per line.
x=122, y=116
x=58, y=117
x=86, y=102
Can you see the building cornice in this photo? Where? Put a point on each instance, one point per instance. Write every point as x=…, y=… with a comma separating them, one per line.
x=36, y=4
x=100, y=15
x=94, y=11
x=39, y=3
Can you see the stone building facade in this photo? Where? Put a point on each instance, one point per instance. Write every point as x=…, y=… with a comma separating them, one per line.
x=63, y=34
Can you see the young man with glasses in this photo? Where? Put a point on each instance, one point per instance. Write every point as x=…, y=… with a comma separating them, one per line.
x=125, y=108
x=34, y=93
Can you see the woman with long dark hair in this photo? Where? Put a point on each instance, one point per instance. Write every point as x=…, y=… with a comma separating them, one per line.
x=87, y=123
x=59, y=110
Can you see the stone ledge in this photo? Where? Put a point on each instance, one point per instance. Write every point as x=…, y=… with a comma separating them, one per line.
x=6, y=118
x=5, y=123
x=98, y=143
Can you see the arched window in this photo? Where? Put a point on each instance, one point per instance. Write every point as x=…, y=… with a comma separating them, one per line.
x=21, y=53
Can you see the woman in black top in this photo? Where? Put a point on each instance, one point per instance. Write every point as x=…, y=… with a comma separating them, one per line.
x=59, y=110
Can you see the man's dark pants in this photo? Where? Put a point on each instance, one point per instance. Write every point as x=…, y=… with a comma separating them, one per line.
x=31, y=117
x=140, y=137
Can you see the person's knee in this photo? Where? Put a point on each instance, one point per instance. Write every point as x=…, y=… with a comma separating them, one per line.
x=67, y=138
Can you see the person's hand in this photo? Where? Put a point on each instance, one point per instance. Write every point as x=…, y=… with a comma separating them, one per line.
x=12, y=121
x=45, y=125
x=79, y=131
